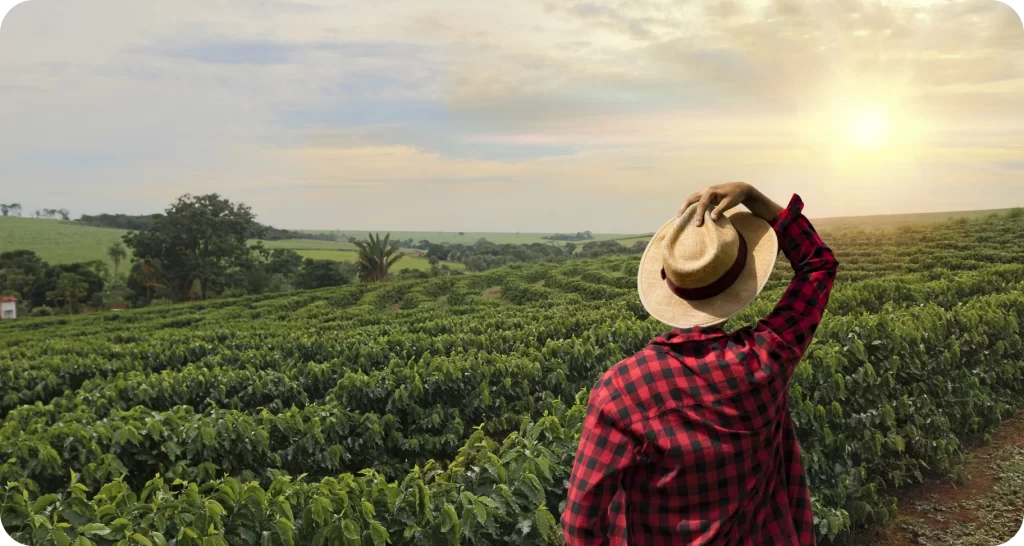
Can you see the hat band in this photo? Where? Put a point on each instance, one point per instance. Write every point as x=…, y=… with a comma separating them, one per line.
x=719, y=285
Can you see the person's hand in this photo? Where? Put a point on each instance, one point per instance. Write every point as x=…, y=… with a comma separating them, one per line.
x=722, y=197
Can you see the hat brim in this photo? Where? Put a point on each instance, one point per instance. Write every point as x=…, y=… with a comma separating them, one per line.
x=664, y=305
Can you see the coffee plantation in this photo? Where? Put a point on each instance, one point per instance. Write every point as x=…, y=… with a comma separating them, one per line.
x=448, y=411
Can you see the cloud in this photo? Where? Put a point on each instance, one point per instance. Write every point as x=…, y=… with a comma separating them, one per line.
x=568, y=112
x=1010, y=165
x=277, y=52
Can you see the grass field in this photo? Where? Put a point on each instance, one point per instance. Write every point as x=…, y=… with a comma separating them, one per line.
x=58, y=242
x=307, y=244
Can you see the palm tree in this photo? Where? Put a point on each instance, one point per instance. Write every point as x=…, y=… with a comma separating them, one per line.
x=116, y=252
x=150, y=272
x=376, y=256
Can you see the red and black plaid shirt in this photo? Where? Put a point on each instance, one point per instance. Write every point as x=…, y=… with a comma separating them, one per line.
x=690, y=440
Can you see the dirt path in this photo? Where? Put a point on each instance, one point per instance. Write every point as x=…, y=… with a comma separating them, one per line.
x=985, y=510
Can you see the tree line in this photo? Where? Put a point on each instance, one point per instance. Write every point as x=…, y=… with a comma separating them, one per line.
x=43, y=288
x=139, y=222
x=578, y=236
x=14, y=209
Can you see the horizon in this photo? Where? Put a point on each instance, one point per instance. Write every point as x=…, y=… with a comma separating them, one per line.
x=540, y=116
x=978, y=212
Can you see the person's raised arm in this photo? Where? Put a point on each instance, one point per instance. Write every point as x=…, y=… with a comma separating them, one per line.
x=793, y=322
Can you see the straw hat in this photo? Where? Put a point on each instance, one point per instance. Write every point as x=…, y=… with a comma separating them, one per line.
x=696, y=276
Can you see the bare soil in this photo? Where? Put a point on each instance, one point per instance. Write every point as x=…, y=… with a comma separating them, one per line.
x=985, y=507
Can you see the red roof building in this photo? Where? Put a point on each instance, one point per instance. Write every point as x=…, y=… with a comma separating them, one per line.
x=8, y=307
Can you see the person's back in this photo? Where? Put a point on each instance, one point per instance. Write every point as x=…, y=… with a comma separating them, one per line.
x=690, y=441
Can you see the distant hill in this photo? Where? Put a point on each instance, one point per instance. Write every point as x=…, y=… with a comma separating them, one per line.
x=58, y=241
x=880, y=221
x=885, y=221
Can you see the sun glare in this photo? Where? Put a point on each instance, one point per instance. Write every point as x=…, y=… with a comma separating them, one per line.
x=867, y=128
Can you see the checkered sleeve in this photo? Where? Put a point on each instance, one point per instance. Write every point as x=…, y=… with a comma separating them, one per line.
x=605, y=451
x=792, y=323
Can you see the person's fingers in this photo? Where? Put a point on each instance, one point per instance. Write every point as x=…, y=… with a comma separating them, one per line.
x=727, y=202
x=689, y=201
x=702, y=206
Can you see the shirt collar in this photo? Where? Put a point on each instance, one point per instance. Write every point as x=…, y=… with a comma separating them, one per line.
x=694, y=333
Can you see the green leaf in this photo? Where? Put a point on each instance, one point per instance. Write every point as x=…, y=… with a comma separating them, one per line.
x=94, y=529
x=481, y=511
x=284, y=530
x=74, y=517
x=379, y=534
x=214, y=508
x=350, y=530
x=318, y=538
x=533, y=489
x=448, y=518
x=141, y=539
x=43, y=502
x=61, y=539
x=545, y=521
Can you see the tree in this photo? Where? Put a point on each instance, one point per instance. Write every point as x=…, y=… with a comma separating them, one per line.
x=98, y=267
x=70, y=288
x=23, y=273
x=321, y=274
x=117, y=252
x=144, y=277
x=569, y=248
x=92, y=274
x=65, y=214
x=15, y=209
x=439, y=252
x=4, y=209
x=285, y=262
x=197, y=240
x=376, y=256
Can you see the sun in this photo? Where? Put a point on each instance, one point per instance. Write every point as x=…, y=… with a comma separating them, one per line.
x=867, y=128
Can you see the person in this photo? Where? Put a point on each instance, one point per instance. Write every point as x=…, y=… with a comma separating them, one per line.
x=690, y=441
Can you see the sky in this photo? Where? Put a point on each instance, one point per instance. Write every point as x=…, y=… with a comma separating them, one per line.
x=532, y=116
